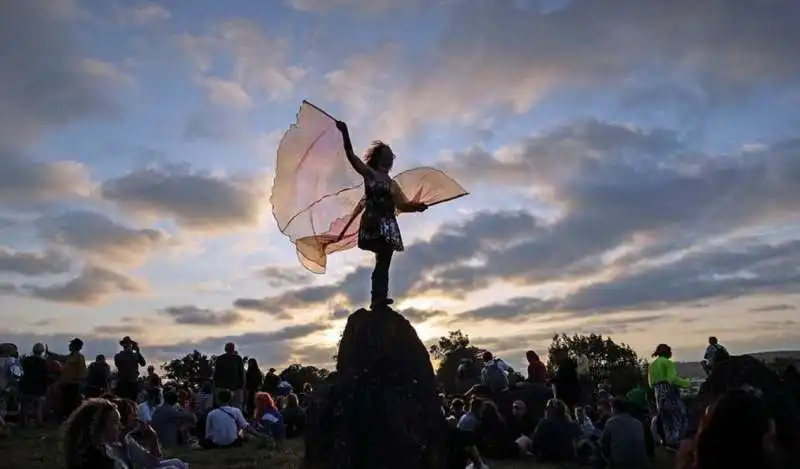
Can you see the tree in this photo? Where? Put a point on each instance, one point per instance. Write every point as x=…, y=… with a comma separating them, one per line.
x=297, y=375
x=191, y=370
x=449, y=351
x=617, y=363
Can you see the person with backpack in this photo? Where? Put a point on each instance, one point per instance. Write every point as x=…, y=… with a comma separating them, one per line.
x=714, y=352
x=494, y=374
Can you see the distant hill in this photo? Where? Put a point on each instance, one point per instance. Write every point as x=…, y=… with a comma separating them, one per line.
x=695, y=369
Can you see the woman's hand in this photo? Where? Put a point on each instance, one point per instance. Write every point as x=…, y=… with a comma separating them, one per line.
x=342, y=126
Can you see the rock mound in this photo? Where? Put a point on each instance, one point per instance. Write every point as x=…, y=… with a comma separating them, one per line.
x=745, y=371
x=380, y=409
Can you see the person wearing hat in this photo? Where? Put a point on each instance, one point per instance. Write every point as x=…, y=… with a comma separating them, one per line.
x=128, y=361
x=72, y=376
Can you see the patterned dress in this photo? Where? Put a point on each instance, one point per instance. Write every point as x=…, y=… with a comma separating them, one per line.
x=379, y=230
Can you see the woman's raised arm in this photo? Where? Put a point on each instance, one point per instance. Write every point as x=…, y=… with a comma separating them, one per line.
x=401, y=201
x=356, y=162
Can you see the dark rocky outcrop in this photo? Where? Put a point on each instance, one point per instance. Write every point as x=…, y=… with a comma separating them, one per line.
x=380, y=409
x=748, y=372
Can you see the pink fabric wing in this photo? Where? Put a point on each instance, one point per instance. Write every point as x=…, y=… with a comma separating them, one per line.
x=316, y=194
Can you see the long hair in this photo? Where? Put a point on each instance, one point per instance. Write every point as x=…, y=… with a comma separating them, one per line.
x=264, y=404
x=372, y=157
x=84, y=429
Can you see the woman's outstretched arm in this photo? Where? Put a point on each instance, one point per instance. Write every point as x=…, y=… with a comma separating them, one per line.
x=402, y=203
x=356, y=162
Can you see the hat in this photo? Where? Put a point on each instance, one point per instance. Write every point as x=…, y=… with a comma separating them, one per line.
x=126, y=340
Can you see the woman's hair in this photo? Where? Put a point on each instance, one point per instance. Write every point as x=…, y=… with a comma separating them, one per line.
x=732, y=433
x=530, y=354
x=252, y=363
x=490, y=413
x=375, y=152
x=264, y=403
x=663, y=350
x=558, y=409
x=84, y=429
x=128, y=411
x=292, y=401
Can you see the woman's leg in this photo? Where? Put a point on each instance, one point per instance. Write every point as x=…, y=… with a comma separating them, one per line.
x=380, y=276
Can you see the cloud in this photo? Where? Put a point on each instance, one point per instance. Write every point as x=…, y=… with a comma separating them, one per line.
x=24, y=181
x=490, y=56
x=226, y=93
x=773, y=308
x=284, y=276
x=634, y=218
x=197, y=200
x=416, y=315
x=92, y=286
x=146, y=13
x=100, y=237
x=259, y=66
x=44, y=81
x=371, y=6
x=34, y=263
x=192, y=315
x=111, y=330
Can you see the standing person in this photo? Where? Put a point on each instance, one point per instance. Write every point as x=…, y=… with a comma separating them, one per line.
x=565, y=380
x=128, y=361
x=537, y=372
x=153, y=380
x=72, y=377
x=271, y=382
x=229, y=374
x=714, y=352
x=383, y=198
x=97, y=377
x=253, y=380
x=33, y=385
x=665, y=382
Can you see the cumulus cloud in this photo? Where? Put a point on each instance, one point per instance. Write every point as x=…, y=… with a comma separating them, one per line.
x=258, y=65
x=145, y=13
x=192, y=315
x=100, y=237
x=34, y=263
x=197, y=200
x=278, y=277
x=371, y=6
x=24, y=181
x=44, y=81
x=93, y=286
x=511, y=55
x=638, y=220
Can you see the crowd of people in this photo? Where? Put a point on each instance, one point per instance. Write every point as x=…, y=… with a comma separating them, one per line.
x=123, y=420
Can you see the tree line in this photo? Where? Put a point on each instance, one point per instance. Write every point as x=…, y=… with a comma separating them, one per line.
x=616, y=363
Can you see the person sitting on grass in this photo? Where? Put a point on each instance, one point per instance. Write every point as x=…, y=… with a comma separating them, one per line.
x=226, y=424
x=294, y=416
x=90, y=435
x=172, y=423
x=269, y=419
x=144, y=455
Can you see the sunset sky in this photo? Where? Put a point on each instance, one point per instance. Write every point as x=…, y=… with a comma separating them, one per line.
x=634, y=170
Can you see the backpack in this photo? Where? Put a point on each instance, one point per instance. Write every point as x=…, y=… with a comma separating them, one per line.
x=495, y=377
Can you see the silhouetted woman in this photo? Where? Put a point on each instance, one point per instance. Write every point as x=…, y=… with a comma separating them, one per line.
x=383, y=197
x=252, y=382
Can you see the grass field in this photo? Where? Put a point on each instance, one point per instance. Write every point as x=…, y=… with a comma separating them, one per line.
x=41, y=450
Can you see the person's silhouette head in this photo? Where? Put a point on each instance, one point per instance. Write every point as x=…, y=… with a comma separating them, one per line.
x=712, y=340
x=380, y=157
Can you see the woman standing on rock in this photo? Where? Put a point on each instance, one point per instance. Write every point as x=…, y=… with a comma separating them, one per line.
x=383, y=197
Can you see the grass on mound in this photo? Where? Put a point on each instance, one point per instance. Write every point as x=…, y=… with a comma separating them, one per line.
x=40, y=449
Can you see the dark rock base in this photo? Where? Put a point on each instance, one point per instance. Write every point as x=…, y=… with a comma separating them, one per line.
x=380, y=409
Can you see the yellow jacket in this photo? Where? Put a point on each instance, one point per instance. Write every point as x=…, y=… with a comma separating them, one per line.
x=74, y=368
